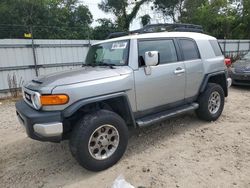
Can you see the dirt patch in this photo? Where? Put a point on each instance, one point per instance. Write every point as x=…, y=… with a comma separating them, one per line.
x=10, y=99
x=181, y=152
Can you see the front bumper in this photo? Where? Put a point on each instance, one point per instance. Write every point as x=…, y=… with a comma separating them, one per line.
x=240, y=79
x=40, y=125
x=229, y=82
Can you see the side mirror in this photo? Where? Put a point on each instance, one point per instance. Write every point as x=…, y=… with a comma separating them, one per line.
x=151, y=58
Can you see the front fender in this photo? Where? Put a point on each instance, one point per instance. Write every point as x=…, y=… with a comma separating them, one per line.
x=72, y=109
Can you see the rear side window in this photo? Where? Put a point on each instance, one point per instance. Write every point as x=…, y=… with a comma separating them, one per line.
x=216, y=47
x=166, y=48
x=189, y=49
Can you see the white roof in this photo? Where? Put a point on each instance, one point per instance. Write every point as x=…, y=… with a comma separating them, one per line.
x=192, y=35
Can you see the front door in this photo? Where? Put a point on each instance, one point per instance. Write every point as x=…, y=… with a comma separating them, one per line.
x=166, y=83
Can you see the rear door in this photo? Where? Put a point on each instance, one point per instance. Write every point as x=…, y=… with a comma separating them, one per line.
x=193, y=66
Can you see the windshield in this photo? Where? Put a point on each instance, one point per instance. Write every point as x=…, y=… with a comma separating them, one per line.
x=111, y=53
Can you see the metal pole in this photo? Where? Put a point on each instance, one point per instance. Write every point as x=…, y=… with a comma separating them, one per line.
x=224, y=46
x=89, y=37
x=34, y=51
x=238, y=48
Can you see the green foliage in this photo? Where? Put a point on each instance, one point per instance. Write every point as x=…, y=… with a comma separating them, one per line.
x=104, y=29
x=170, y=8
x=245, y=19
x=67, y=19
x=145, y=20
x=220, y=18
x=53, y=19
x=216, y=18
x=119, y=9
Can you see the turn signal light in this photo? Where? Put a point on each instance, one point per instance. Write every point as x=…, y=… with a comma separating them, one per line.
x=47, y=100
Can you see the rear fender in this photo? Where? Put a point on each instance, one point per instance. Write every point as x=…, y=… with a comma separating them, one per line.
x=218, y=78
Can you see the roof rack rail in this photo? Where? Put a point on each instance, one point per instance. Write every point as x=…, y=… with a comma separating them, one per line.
x=117, y=34
x=152, y=28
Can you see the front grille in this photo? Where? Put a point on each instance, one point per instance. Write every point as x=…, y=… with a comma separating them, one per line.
x=27, y=96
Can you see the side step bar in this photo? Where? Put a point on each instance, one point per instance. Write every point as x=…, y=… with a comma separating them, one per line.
x=161, y=116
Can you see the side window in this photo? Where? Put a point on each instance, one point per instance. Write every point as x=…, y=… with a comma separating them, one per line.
x=189, y=49
x=166, y=48
x=216, y=47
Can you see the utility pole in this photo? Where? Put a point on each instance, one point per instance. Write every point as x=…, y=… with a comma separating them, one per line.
x=33, y=50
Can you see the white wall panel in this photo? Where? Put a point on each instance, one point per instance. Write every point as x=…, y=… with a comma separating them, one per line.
x=18, y=54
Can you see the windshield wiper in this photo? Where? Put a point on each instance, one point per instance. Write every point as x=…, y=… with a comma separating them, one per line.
x=88, y=65
x=110, y=65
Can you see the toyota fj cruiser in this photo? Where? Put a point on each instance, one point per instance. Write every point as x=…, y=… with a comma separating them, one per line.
x=135, y=80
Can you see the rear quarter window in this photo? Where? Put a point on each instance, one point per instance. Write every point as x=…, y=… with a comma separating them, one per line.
x=189, y=49
x=216, y=47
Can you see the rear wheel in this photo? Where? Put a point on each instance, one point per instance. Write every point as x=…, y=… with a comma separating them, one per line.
x=99, y=140
x=211, y=102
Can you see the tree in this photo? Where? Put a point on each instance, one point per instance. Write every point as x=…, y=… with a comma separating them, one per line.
x=45, y=18
x=245, y=18
x=145, y=20
x=17, y=16
x=170, y=8
x=218, y=18
x=119, y=9
x=104, y=29
x=190, y=9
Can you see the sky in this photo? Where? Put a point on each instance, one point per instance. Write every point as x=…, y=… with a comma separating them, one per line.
x=95, y=11
x=136, y=24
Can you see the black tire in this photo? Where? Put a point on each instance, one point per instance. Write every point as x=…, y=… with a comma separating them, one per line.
x=203, y=111
x=82, y=132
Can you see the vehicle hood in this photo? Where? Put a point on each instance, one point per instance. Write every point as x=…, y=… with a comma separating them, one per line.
x=85, y=74
x=241, y=66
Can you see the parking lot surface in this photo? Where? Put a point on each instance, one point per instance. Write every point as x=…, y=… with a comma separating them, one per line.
x=181, y=152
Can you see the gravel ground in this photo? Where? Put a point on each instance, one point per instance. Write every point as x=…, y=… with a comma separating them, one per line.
x=181, y=152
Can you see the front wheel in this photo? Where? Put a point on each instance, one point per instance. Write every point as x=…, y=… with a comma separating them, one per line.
x=211, y=103
x=99, y=140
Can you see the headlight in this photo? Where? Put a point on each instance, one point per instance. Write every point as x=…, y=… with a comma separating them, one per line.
x=36, y=100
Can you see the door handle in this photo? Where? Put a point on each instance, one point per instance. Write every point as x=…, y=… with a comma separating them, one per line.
x=179, y=70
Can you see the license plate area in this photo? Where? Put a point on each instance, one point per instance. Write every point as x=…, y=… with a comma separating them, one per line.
x=27, y=96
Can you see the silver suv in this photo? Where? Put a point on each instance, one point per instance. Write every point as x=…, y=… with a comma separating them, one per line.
x=131, y=81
